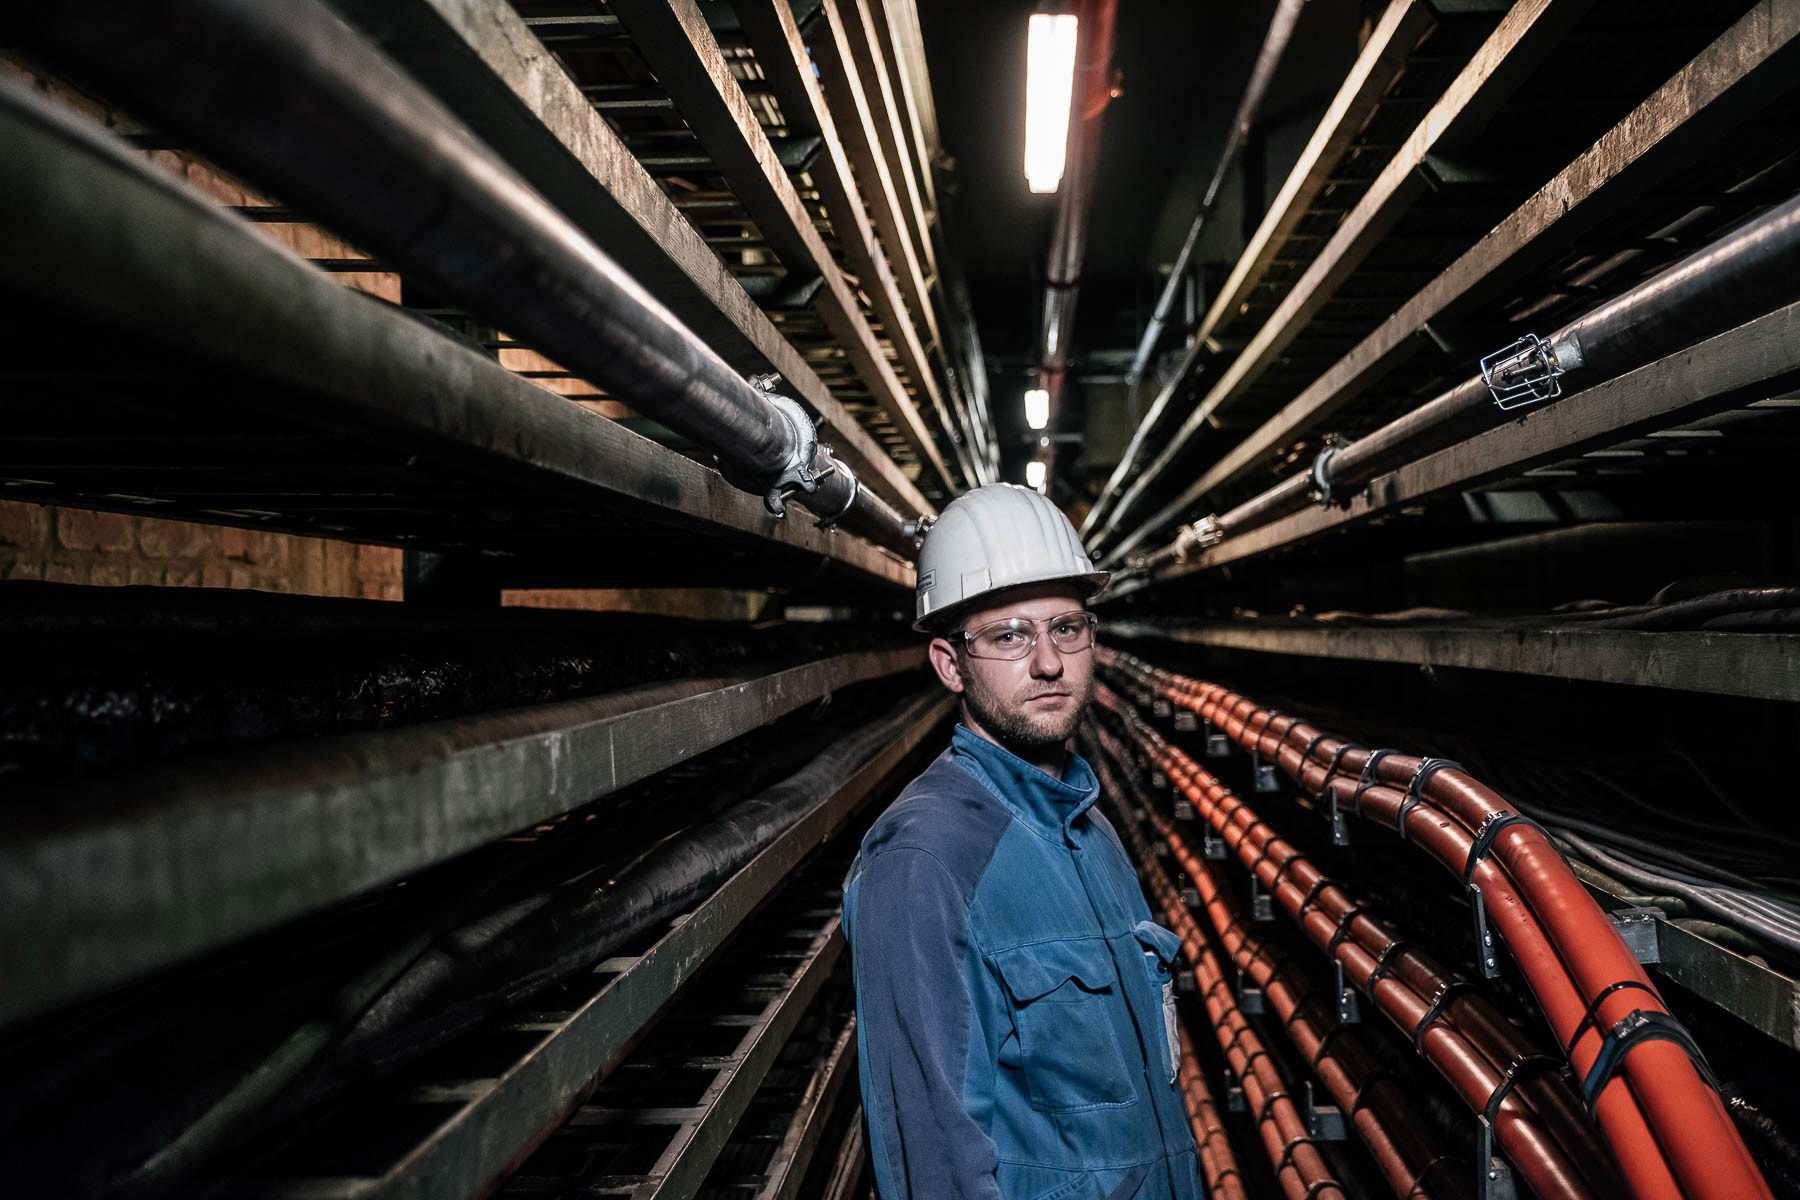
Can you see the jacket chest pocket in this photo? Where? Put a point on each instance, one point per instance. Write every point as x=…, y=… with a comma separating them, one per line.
x=1162, y=951
x=1064, y=995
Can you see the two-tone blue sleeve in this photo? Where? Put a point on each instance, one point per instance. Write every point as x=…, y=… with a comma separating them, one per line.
x=911, y=948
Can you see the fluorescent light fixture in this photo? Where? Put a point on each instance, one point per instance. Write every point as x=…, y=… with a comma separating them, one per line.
x=1035, y=472
x=1037, y=408
x=1049, y=87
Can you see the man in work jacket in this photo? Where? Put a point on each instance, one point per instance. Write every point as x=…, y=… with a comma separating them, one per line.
x=1014, y=1004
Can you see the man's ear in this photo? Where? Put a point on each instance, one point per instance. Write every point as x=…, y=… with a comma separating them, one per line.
x=944, y=662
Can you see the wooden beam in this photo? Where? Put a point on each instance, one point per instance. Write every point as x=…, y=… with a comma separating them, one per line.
x=674, y=39
x=871, y=65
x=782, y=55
x=1531, y=30
x=1761, y=666
x=1738, y=74
x=1382, y=60
x=1742, y=365
x=482, y=61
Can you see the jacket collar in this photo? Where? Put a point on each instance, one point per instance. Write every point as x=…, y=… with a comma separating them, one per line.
x=1048, y=804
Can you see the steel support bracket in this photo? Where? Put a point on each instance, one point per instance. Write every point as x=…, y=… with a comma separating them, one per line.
x=1250, y=999
x=1212, y=846
x=1494, y=1177
x=1349, y=1009
x=1183, y=808
x=1185, y=721
x=1487, y=955
x=1324, y=1122
x=1217, y=744
x=1261, y=907
x=1340, y=828
x=1262, y=774
x=1639, y=929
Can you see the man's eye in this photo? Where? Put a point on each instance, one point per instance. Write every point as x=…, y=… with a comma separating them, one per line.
x=1006, y=637
x=1066, y=628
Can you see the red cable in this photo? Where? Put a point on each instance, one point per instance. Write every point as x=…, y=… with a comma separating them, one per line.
x=1669, y=1129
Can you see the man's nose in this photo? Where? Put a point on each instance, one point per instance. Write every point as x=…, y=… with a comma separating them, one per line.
x=1046, y=659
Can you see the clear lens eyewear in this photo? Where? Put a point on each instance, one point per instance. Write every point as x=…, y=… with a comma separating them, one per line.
x=1015, y=637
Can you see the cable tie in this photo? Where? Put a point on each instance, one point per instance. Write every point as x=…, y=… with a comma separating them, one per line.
x=1415, y=790
x=1634, y=1029
x=1592, y=1016
x=1343, y=928
x=1367, y=774
x=1444, y=995
x=1262, y=856
x=1312, y=894
x=1282, y=870
x=1492, y=826
x=1384, y=961
x=1319, y=1185
x=1287, y=1154
x=1336, y=760
x=1307, y=753
x=1269, y=1102
x=1521, y=1067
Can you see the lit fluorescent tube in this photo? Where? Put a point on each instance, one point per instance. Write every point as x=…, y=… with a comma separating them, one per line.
x=1035, y=472
x=1049, y=86
x=1037, y=408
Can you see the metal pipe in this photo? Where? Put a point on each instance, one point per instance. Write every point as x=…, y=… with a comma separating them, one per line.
x=1743, y=275
x=294, y=98
x=1068, y=241
x=1281, y=29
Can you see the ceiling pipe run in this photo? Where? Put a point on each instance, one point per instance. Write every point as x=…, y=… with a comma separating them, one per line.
x=1743, y=275
x=1281, y=30
x=297, y=100
x=1095, y=89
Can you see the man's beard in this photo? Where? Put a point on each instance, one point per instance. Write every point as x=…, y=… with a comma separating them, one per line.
x=1012, y=723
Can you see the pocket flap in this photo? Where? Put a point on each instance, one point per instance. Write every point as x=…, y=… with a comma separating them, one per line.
x=1039, y=968
x=1164, y=943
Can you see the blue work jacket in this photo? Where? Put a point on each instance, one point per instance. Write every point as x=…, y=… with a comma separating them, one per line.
x=1015, y=1021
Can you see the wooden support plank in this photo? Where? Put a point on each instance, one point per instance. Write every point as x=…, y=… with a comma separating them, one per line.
x=1743, y=365
x=871, y=65
x=1518, y=44
x=1382, y=59
x=483, y=62
x=674, y=39
x=781, y=54
x=846, y=96
x=888, y=20
x=1762, y=666
x=1735, y=76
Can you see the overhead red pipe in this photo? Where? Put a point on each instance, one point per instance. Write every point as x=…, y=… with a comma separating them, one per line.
x=1558, y=1158
x=1406, y=1150
x=1569, y=952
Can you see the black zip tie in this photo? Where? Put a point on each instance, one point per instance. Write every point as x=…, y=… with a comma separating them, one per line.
x=1282, y=870
x=1307, y=753
x=1592, y=1016
x=1384, y=961
x=1492, y=826
x=1336, y=760
x=1362, y=785
x=1287, y=1154
x=1415, y=790
x=1444, y=995
x=1367, y=774
x=1262, y=856
x=1343, y=929
x=1269, y=1102
x=1522, y=1067
x=1319, y=1185
x=1633, y=1030
x=1443, y=1160
x=1312, y=894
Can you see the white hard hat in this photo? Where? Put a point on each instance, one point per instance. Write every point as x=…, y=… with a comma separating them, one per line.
x=998, y=536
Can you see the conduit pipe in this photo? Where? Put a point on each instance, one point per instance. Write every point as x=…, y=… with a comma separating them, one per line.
x=1408, y=1152
x=1299, y=1168
x=1068, y=240
x=1281, y=29
x=1536, y=1119
x=293, y=98
x=1218, y=1166
x=1570, y=954
x=1743, y=275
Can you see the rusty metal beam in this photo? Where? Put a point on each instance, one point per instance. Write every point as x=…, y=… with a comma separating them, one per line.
x=674, y=39
x=483, y=62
